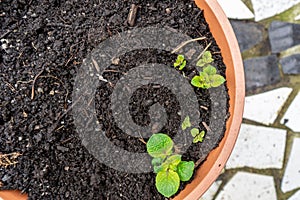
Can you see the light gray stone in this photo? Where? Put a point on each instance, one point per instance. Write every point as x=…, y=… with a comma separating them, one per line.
x=210, y=193
x=291, y=64
x=258, y=147
x=292, y=116
x=264, y=107
x=291, y=177
x=248, y=33
x=296, y=196
x=265, y=8
x=248, y=186
x=238, y=11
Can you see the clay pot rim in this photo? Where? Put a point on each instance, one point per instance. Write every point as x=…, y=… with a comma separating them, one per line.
x=223, y=33
x=215, y=162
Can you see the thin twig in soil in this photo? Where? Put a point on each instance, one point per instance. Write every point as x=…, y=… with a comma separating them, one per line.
x=132, y=14
x=96, y=65
x=142, y=139
x=9, y=159
x=200, y=55
x=10, y=86
x=198, y=162
x=206, y=126
x=5, y=34
x=204, y=107
x=33, y=83
x=187, y=42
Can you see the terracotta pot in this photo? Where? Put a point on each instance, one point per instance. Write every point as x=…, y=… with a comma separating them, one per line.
x=226, y=40
x=212, y=167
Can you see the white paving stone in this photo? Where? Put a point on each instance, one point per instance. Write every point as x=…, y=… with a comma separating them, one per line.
x=296, y=196
x=292, y=115
x=291, y=177
x=267, y=8
x=264, y=107
x=210, y=193
x=238, y=11
x=258, y=147
x=248, y=186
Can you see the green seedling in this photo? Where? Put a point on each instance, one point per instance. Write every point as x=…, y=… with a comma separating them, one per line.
x=186, y=123
x=205, y=59
x=208, y=78
x=168, y=166
x=180, y=62
x=195, y=132
x=198, y=136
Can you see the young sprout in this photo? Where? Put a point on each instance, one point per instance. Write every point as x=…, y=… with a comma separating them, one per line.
x=180, y=62
x=198, y=136
x=167, y=165
x=208, y=78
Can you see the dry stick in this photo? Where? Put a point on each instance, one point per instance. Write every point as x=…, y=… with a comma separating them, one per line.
x=187, y=42
x=206, y=126
x=34, y=80
x=132, y=14
x=203, y=51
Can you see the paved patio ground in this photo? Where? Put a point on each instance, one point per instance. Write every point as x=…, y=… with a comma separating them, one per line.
x=265, y=163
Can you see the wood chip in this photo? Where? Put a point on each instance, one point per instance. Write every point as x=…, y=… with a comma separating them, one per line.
x=132, y=15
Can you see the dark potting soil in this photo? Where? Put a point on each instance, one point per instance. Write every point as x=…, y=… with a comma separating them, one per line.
x=43, y=43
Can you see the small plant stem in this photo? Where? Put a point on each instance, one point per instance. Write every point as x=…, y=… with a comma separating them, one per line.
x=33, y=83
x=200, y=55
x=187, y=42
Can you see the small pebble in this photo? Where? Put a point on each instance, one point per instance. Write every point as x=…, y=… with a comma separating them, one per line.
x=168, y=11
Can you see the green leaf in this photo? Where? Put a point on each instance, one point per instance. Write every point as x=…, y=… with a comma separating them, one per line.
x=197, y=81
x=159, y=145
x=205, y=59
x=186, y=123
x=195, y=132
x=174, y=159
x=185, y=170
x=210, y=70
x=167, y=183
x=216, y=80
x=182, y=65
x=163, y=167
x=179, y=60
x=199, y=137
x=201, y=81
x=157, y=161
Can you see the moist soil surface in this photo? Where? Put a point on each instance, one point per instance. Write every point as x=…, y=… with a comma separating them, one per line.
x=43, y=44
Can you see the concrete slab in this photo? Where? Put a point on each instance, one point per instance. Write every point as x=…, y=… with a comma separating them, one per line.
x=264, y=9
x=210, y=193
x=264, y=107
x=291, y=177
x=296, y=196
x=292, y=116
x=248, y=186
x=238, y=11
x=258, y=147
